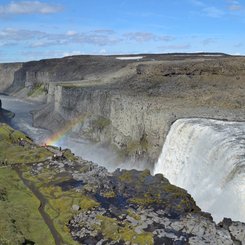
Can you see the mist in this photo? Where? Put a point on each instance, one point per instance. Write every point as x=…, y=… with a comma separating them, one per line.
x=87, y=150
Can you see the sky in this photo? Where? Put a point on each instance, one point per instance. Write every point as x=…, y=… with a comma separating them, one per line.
x=34, y=30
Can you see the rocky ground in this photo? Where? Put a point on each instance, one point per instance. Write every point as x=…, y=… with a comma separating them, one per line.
x=132, y=207
x=82, y=203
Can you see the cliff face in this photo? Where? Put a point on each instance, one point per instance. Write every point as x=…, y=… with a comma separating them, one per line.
x=8, y=73
x=131, y=104
x=5, y=115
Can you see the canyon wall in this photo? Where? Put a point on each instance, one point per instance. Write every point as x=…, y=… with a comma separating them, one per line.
x=131, y=104
x=8, y=73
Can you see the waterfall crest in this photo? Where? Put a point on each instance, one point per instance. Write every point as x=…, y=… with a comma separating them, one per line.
x=207, y=158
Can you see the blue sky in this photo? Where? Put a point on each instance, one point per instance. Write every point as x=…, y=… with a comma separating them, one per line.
x=33, y=30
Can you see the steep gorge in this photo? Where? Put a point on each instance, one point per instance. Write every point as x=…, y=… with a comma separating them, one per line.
x=131, y=104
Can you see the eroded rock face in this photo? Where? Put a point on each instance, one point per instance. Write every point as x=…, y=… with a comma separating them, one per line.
x=139, y=100
x=142, y=100
x=8, y=75
x=5, y=115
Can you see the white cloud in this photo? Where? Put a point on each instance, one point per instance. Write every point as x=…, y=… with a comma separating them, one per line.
x=235, y=7
x=146, y=37
x=46, y=43
x=71, y=53
x=29, y=7
x=213, y=12
x=35, y=39
x=103, y=51
x=71, y=33
x=100, y=38
x=10, y=34
x=217, y=12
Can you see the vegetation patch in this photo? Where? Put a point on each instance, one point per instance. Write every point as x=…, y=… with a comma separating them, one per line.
x=101, y=122
x=16, y=147
x=136, y=147
x=60, y=203
x=37, y=90
x=112, y=229
x=20, y=218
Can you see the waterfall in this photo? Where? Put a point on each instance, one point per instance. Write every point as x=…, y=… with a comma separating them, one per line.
x=207, y=158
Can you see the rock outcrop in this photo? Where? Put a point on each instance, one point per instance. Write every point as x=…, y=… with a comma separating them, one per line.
x=82, y=202
x=127, y=207
x=8, y=74
x=5, y=115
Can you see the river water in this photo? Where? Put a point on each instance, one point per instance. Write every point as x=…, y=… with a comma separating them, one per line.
x=90, y=151
x=205, y=157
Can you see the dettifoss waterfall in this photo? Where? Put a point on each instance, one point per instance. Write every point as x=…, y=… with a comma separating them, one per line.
x=207, y=158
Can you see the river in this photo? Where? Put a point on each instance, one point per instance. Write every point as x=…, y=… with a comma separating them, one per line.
x=89, y=151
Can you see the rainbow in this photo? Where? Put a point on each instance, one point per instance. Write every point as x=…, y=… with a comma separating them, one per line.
x=59, y=135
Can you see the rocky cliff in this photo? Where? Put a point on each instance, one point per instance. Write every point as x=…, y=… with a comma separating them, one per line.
x=72, y=201
x=5, y=115
x=131, y=103
x=8, y=74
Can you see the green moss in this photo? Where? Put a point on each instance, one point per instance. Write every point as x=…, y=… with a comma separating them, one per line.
x=126, y=176
x=37, y=90
x=69, y=155
x=132, y=214
x=109, y=194
x=12, y=152
x=59, y=206
x=86, y=203
x=144, y=201
x=138, y=179
x=20, y=218
x=60, y=210
x=111, y=229
x=71, y=85
x=10, y=135
x=101, y=122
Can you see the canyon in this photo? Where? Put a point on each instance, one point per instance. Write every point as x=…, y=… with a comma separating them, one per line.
x=129, y=104
x=180, y=115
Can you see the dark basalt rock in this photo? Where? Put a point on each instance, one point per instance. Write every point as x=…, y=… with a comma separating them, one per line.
x=70, y=184
x=5, y=115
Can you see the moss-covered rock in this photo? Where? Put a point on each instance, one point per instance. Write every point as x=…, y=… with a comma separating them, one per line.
x=143, y=189
x=16, y=147
x=37, y=90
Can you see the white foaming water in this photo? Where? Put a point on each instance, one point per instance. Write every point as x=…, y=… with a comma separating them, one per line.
x=207, y=158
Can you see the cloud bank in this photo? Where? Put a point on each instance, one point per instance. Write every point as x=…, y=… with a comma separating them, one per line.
x=28, y=7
